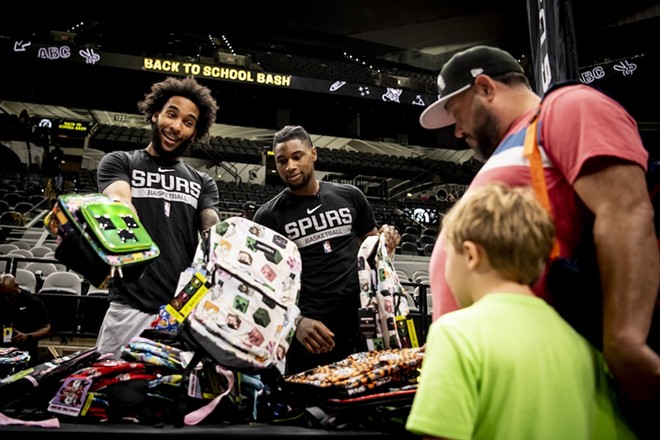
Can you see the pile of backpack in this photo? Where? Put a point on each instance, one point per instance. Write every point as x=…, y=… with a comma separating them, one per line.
x=217, y=349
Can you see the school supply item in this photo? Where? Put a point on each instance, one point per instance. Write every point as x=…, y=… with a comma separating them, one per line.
x=240, y=304
x=385, y=320
x=367, y=390
x=33, y=386
x=362, y=373
x=100, y=238
x=12, y=360
x=113, y=390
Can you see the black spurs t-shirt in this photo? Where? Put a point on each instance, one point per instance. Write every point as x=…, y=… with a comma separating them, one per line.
x=168, y=196
x=325, y=228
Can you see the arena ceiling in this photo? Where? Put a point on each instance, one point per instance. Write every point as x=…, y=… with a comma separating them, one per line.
x=419, y=33
x=384, y=28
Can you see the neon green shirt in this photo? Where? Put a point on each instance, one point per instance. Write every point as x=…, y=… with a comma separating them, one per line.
x=509, y=367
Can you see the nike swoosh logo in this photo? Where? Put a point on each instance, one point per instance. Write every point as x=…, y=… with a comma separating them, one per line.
x=311, y=210
x=165, y=170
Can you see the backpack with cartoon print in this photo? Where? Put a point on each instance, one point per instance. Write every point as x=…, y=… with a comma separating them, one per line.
x=240, y=304
x=385, y=319
x=100, y=238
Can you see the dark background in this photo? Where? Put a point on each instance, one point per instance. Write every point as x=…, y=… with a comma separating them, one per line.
x=417, y=36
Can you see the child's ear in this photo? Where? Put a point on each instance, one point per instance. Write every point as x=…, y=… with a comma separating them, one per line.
x=472, y=253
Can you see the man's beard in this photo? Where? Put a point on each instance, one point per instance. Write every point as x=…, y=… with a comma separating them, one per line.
x=158, y=146
x=485, y=135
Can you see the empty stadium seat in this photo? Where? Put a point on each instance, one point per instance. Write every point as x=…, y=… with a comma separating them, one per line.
x=5, y=248
x=62, y=282
x=40, y=251
x=26, y=279
x=25, y=253
x=408, y=248
x=62, y=310
x=13, y=198
x=411, y=230
x=22, y=244
x=420, y=276
x=50, y=245
x=44, y=268
x=408, y=237
x=403, y=275
x=426, y=239
x=36, y=199
x=430, y=231
x=23, y=207
x=91, y=311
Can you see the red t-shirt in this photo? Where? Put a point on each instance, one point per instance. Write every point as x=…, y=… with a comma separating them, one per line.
x=577, y=123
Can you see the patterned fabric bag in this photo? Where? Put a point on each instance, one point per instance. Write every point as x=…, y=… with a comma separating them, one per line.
x=119, y=390
x=384, y=312
x=33, y=386
x=363, y=373
x=12, y=360
x=239, y=306
x=99, y=238
x=371, y=390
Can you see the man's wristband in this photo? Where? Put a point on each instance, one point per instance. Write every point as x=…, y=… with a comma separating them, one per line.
x=298, y=320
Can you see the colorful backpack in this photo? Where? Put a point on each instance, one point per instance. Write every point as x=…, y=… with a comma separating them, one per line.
x=34, y=386
x=115, y=390
x=100, y=238
x=371, y=390
x=240, y=303
x=385, y=320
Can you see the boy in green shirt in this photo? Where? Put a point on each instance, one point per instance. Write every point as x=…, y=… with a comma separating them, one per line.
x=506, y=365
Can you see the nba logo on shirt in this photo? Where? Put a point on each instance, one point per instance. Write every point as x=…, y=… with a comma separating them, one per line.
x=326, y=247
x=167, y=208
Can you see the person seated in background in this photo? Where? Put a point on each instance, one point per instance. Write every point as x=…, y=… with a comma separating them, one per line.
x=249, y=208
x=506, y=365
x=24, y=318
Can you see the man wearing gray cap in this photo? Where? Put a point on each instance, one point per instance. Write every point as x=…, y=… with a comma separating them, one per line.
x=593, y=165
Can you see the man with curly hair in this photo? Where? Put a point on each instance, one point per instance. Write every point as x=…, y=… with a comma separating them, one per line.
x=173, y=201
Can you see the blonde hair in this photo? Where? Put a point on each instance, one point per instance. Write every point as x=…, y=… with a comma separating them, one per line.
x=511, y=225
